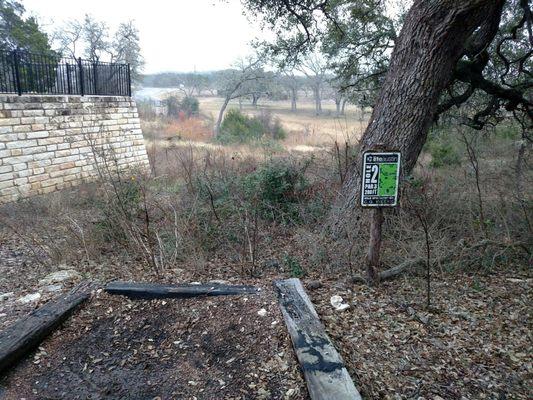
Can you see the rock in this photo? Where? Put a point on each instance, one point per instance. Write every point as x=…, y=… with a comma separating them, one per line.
x=289, y=394
x=336, y=302
x=53, y=288
x=262, y=312
x=6, y=296
x=29, y=298
x=263, y=394
x=219, y=282
x=59, y=276
x=272, y=263
x=313, y=285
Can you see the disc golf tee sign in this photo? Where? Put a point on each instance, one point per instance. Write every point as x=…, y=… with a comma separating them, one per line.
x=381, y=172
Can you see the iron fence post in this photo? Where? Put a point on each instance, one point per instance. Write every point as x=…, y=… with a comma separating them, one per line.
x=16, y=70
x=95, y=76
x=69, y=79
x=82, y=85
x=129, y=80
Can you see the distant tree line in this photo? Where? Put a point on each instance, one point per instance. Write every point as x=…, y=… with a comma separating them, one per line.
x=249, y=80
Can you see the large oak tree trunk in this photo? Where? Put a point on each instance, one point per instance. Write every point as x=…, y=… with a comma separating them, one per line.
x=431, y=42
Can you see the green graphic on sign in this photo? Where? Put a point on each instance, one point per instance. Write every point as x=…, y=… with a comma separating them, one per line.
x=380, y=179
x=387, y=179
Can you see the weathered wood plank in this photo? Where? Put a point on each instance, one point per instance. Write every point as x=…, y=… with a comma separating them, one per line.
x=157, y=291
x=323, y=368
x=28, y=332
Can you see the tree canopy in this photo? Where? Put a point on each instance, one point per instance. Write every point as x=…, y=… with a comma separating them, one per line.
x=19, y=32
x=91, y=39
x=492, y=77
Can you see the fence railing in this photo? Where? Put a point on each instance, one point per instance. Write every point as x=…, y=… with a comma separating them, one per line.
x=22, y=72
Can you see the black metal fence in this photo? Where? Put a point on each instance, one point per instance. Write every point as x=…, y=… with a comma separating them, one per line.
x=22, y=72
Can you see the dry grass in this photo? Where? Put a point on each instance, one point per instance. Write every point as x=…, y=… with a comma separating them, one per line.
x=188, y=129
x=303, y=126
x=306, y=132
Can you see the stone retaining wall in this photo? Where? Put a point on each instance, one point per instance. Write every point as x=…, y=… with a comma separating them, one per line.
x=48, y=143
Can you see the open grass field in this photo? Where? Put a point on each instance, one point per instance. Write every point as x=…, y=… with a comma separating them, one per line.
x=304, y=127
x=306, y=131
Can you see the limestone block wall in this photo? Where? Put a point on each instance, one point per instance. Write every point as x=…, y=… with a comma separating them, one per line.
x=48, y=143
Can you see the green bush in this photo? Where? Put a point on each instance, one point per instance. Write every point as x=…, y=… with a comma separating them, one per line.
x=240, y=128
x=275, y=189
x=443, y=154
x=293, y=266
x=189, y=105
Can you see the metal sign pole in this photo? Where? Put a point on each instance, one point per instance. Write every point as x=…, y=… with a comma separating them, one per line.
x=379, y=189
x=374, y=245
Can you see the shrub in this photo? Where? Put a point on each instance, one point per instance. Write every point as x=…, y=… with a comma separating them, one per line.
x=172, y=105
x=240, y=128
x=187, y=106
x=272, y=125
x=293, y=266
x=190, y=106
x=124, y=203
x=277, y=187
x=443, y=155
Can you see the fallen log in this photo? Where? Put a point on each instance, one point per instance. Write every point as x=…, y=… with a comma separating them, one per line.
x=157, y=291
x=323, y=368
x=391, y=273
x=27, y=333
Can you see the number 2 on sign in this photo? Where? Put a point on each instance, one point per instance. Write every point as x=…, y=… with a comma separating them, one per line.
x=375, y=170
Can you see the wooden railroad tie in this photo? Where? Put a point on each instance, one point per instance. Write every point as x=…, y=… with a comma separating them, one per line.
x=323, y=368
x=157, y=291
x=28, y=332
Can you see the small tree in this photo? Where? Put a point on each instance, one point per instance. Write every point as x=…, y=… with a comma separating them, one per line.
x=236, y=83
x=190, y=106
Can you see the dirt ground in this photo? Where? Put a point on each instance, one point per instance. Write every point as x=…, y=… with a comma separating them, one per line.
x=473, y=343
x=204, y=348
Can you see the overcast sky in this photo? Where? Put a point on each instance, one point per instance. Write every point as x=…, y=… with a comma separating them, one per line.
x=175, y=35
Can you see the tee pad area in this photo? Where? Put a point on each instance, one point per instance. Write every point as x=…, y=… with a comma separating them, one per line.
x=207, y=345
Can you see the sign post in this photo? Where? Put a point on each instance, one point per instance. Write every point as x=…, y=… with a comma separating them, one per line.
x=379, y=188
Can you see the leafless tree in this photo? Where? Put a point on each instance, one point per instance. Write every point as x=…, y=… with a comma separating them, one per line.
x=233, y=84
x=314, y=67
